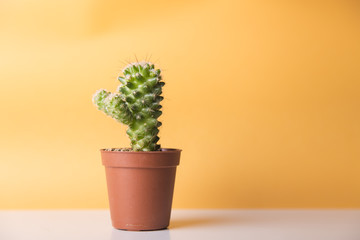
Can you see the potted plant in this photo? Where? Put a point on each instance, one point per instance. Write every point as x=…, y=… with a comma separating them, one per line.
x=140, y=179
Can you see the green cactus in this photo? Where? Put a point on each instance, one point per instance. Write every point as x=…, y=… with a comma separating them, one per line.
x=136, y=104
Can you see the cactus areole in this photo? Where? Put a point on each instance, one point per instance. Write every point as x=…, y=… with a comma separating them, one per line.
x=136, y=104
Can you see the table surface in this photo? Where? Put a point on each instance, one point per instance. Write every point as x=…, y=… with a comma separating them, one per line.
x=185, y=224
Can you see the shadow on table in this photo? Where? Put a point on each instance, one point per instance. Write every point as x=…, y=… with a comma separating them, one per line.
x=165, y=233
x=140, y=235
x=195, y=222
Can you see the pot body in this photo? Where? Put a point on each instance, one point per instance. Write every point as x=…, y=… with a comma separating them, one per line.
x=140, y=187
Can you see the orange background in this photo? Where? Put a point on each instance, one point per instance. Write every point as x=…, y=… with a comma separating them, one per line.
x=262, y=96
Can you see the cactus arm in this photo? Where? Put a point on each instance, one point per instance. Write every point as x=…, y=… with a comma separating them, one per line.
x=112, y=105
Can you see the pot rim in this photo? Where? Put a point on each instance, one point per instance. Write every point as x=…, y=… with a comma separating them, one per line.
x=163, y=150
x=166, y=158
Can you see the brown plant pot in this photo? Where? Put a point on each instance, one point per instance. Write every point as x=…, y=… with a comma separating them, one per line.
x=140, y=187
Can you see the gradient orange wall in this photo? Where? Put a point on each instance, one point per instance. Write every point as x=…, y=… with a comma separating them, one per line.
x=262, y=96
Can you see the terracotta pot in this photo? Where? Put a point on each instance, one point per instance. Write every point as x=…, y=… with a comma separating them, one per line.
x=140, y=187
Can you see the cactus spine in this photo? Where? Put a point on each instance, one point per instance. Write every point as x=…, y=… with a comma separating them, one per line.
x=136, y=104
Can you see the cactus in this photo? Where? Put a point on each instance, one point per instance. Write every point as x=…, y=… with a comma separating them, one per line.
x=136, y=104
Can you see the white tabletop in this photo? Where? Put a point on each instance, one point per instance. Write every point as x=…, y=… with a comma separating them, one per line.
x=185, y=225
